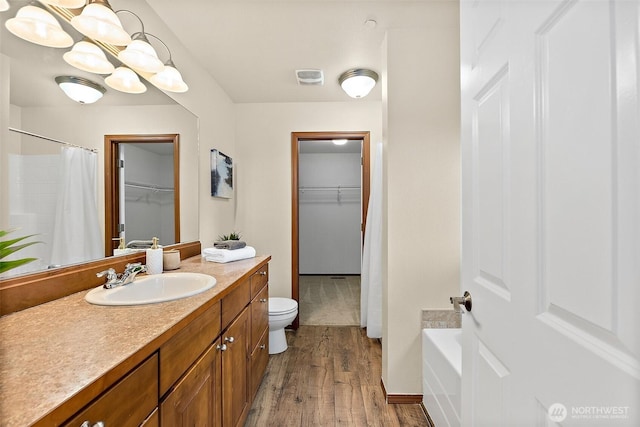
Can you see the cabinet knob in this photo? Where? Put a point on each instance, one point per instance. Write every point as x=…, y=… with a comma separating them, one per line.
x=222, y=347
x=263, y=346
x=88, y=424
x=263, y=300
x=229, y=339
x=263, y=273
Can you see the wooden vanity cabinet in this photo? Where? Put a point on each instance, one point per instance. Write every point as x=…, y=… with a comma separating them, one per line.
x=196, y=398
x=259, y=335
x=205, y=375
x=128, y=403
x=236, y=396
x=218, y=386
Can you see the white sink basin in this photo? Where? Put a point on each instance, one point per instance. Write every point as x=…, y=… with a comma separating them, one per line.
x=152, y=289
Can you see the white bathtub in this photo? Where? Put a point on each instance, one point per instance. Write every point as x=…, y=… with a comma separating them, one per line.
x=442, y=375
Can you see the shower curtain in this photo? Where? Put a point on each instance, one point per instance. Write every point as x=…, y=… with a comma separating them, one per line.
x=76, y=236
x=371, y=276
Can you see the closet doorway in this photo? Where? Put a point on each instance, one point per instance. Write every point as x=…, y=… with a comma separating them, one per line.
x=142, y=182
x=320, y=191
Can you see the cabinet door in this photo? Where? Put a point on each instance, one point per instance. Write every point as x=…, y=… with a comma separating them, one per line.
x=235, y=366
x=259, y=316
x=195, y=400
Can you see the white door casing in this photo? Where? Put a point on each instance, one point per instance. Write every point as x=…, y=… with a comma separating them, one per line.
x=551, y=212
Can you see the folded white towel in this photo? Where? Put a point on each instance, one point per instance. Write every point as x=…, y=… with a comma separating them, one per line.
x=226, y=255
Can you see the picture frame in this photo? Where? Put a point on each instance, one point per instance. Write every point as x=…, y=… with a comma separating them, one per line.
x=221, y=175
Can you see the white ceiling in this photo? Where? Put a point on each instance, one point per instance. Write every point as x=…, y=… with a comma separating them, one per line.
x=252, y=48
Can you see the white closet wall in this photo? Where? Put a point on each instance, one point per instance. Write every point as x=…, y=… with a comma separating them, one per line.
x=145, y=209
x=329, y=213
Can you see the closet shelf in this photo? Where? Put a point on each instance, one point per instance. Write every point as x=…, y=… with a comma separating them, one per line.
x=154, y=188
x=334, y=188
x=339, y=190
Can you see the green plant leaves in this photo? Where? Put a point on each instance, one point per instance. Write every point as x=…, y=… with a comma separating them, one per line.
x=8, y=247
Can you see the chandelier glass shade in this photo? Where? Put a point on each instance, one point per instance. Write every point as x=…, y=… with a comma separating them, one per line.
x=99, y=22
x=141, y=56
x=38, y=26
x=86, y=56
x=125, y=80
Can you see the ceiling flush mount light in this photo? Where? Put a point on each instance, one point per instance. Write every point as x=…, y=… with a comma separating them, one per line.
x=125, y=80
x=340, y=141
x=4, y=5
x=99, y=22
x=38, y=26
x=86, y=56
x=358, y=82
x=80, y=89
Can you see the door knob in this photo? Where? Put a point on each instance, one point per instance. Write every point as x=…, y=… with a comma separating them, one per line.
x=464, y=300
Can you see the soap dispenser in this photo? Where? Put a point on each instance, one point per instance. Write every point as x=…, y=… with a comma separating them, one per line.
x=121, y=250
x=154, y=258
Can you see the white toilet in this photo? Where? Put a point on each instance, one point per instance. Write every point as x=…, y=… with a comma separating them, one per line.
x=282, y=312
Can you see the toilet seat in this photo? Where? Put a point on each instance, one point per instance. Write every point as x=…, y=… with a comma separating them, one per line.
x=280, y=306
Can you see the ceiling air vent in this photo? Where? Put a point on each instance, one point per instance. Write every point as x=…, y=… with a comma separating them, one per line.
x=310, y=77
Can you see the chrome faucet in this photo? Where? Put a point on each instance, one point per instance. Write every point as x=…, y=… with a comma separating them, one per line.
x=129, y=274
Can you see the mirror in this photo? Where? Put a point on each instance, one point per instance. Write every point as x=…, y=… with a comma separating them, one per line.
x=31, y=100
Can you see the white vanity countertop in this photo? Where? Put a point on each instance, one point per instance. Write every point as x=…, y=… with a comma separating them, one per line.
x=50, y=352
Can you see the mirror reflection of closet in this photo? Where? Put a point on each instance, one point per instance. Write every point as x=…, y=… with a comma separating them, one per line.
x=141, y=190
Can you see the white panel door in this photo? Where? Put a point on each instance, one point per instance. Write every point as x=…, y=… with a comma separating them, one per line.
x=551, y=212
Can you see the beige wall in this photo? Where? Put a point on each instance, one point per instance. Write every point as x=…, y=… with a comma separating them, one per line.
x=263, y=190
x=422, y=175
x=98, y=121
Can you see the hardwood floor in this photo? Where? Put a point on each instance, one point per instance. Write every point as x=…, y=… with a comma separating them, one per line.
x=329, y=376
x=329, y=300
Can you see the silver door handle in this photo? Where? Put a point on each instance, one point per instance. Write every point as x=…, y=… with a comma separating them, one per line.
x=464, y=300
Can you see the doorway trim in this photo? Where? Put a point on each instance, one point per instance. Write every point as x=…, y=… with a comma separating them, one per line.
x=296, y=137
x=112, y=178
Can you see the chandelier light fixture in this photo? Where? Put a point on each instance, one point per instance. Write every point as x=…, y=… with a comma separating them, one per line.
x=139, y=54
x=99, y=22
x=69, y=4
x=169, y=78
x=104, y=33
x=125, y=80
x=80, y=89
x=358, y=82
x=86, y=56
x=38, y=26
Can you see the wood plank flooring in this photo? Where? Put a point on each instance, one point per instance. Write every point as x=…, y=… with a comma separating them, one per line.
x=329, y=300
x=329, y=376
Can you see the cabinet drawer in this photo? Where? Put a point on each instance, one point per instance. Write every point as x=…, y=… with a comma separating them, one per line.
x=235, y=302
x=259, y=316
x=259, y=360
x=128, y=403
x=177, y=354
x=259, y=279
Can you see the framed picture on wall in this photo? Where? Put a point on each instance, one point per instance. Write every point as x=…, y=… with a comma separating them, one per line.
x=221, y=175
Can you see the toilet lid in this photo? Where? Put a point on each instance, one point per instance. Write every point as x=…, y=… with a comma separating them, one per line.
x=282, y=305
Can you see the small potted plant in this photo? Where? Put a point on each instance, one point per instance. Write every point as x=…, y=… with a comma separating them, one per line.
x=8, y=247
x=231, y=236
